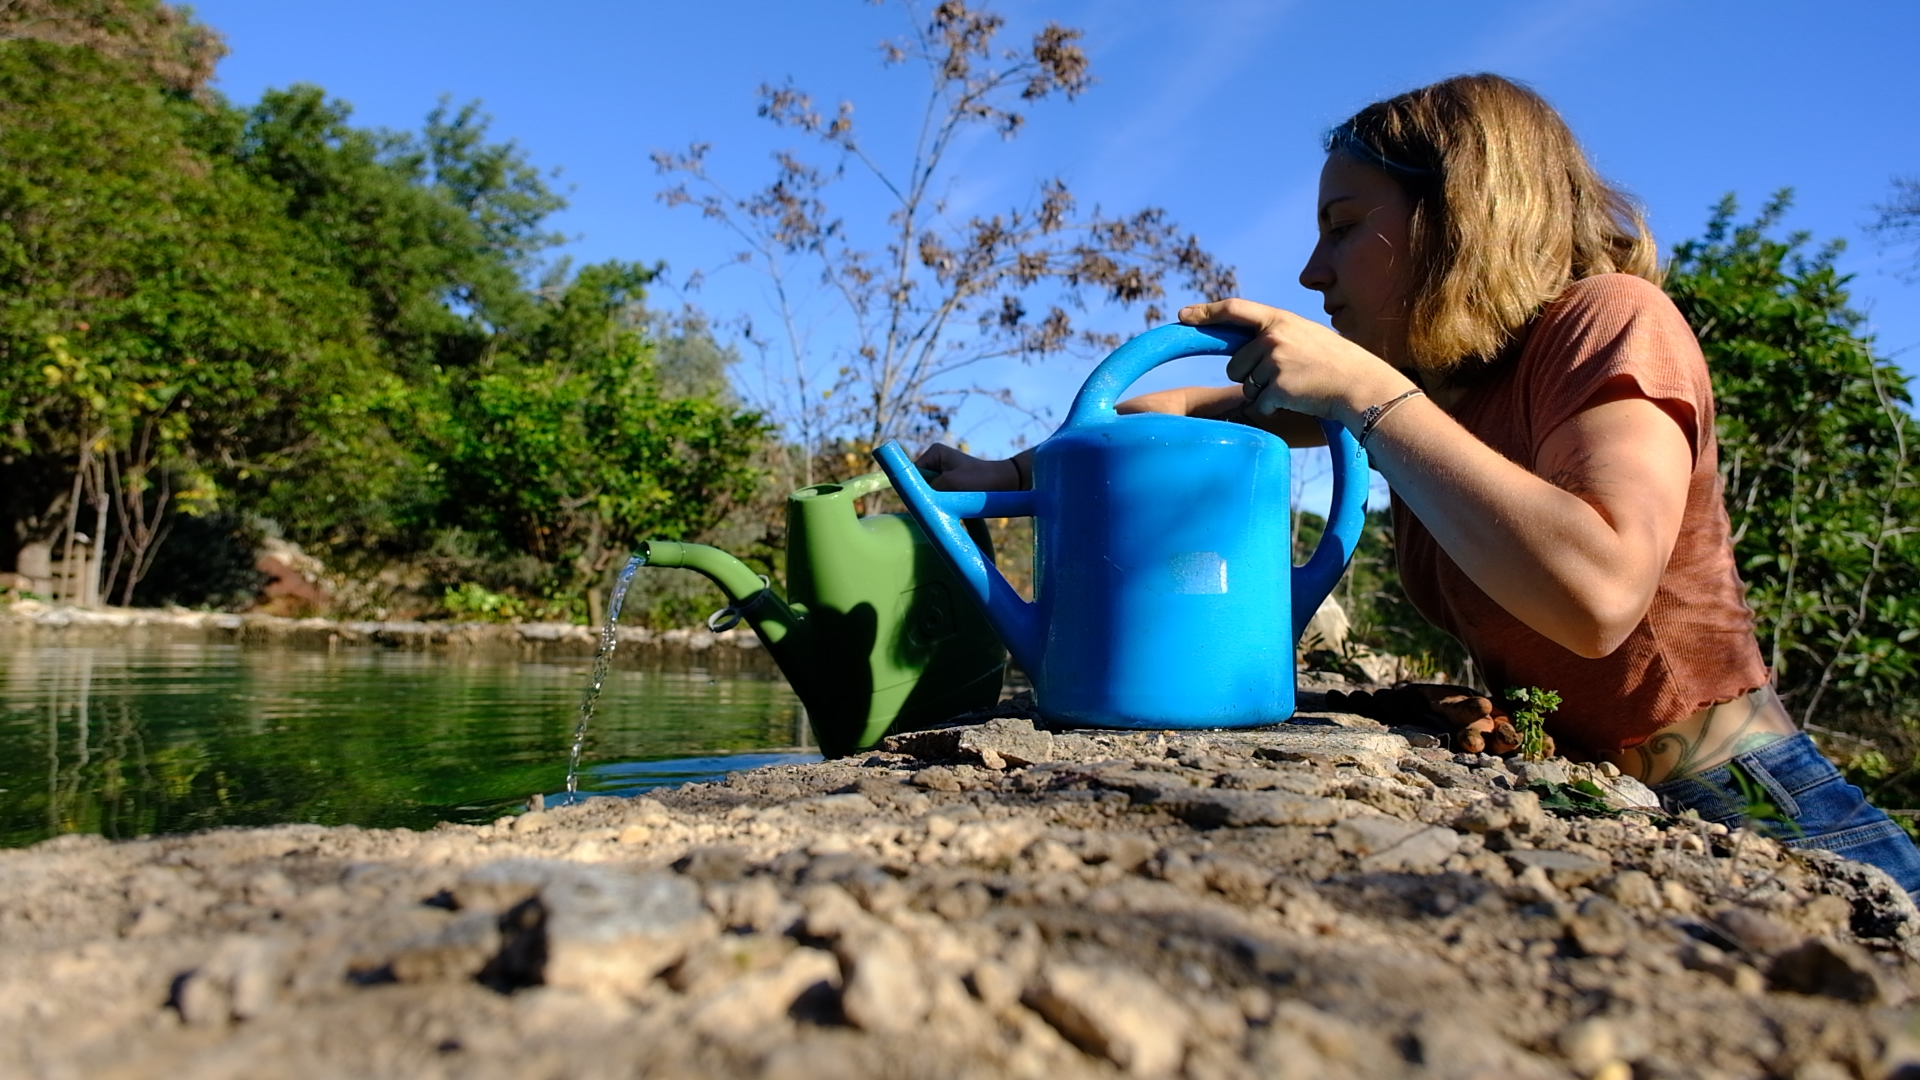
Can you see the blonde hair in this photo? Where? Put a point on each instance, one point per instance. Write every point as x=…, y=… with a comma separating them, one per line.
x=1506, y=212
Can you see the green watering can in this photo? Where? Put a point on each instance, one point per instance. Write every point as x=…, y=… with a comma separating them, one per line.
x=875, y=631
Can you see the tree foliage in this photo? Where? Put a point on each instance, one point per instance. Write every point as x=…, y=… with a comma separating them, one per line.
x=1898, y=220
x=269, y=313
x=938, y=296
x=1816, y=452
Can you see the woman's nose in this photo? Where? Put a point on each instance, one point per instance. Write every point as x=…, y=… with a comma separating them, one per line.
x=1316, y=275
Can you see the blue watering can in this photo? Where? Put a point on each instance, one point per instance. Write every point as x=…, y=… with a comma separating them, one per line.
x=1165, y=590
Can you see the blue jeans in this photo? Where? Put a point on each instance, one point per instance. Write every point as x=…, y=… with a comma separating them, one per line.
x=1809, y=792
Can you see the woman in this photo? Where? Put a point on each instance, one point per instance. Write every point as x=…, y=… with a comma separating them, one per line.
x=1543, y=415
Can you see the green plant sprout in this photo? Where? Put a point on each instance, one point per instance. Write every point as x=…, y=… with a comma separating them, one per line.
x=1530, y=708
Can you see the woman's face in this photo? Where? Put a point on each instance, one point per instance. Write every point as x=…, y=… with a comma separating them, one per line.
x=1360, y=265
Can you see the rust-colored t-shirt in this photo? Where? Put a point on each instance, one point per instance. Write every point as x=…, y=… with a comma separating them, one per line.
x=1695, y=647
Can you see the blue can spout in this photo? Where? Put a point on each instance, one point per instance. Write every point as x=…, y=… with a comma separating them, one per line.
x=942, y=514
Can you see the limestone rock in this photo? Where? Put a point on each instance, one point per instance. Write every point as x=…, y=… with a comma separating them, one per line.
x=884, y=989
x=1016, y=741
x=1423, y=851
x=1366, y=835
x=1214, y=806
x=1828, y=968
x=596, y=928
x=1375, y=752
x=1564, y=868
x=1114, y=1013
x=459, y=950
x=1600, y=927
x=753, y=1003
x=239, y=981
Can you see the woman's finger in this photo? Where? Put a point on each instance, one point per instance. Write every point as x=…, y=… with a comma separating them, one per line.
x=1244, y=365
x=1232, y=312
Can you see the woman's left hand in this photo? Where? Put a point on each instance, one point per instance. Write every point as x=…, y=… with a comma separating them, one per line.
x=1295, y=363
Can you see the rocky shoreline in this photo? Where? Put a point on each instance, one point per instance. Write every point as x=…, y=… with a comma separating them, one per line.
x=1320, y=899
x=507, y=641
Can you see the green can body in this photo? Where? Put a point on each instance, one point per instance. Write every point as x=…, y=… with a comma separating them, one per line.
x=874, y=633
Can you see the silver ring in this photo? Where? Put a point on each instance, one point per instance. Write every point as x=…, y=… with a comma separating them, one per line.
x=1258, y=387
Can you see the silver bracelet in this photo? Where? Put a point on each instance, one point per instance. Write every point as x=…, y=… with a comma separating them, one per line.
x=1371, y=418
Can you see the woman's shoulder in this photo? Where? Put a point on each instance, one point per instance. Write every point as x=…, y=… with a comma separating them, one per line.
x=1611, y=325
x=1603, y=309
x=1618, y=294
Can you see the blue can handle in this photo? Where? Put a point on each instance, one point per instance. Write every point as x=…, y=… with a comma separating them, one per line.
x=1346, y=517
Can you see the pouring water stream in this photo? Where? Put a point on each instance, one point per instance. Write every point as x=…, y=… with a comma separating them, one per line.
x=602, y=663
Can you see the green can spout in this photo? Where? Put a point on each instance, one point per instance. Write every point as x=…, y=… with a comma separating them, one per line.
x=782, y=629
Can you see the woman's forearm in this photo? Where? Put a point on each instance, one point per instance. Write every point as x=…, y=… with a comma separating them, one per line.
x=1577, y=559
x=1226, y=403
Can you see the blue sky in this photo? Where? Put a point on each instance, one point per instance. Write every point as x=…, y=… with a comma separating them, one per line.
x=1211, y=109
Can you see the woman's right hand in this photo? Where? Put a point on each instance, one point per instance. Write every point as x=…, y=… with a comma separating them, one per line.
x=954, y=470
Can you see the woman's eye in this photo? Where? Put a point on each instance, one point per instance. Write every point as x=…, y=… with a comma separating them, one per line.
x=1339, y=229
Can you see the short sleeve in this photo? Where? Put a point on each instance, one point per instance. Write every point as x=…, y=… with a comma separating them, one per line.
x=1600, y=329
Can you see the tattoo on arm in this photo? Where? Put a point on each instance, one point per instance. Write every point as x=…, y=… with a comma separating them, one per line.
x=1577, y=474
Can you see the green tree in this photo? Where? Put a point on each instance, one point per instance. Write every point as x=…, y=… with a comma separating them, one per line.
x=269, y=315
x=162, y=327
x=1816, y=453
x=573, y=454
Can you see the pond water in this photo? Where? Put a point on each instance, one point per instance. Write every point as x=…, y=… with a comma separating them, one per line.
x=126, y=740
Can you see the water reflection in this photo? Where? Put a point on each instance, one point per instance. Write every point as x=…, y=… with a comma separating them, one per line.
x=127, y=740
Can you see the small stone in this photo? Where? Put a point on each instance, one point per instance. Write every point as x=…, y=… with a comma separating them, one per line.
x=994, y=983
x=1532, y=886
x=459, y=950
x=1524, y=813
x=710, y=967
x=750, y=1005
x=602, y=929
x=239, y=980
x=1376, y=753
x=1212, y=807
x=884, y=990
x=1625, y=792
x=832, y=912
x=1529, y=773
x=1014, y=741
x=1756, y=931
x=1632, y=889
x=1588, y=1044
x=1481, y=816
x=1366, y=835
x=1825, y=967
x=1423, y=851
x=1600, y=928
x=1678, y=898
x=935, y=778
x=1564, y=868
x=1114, y=1013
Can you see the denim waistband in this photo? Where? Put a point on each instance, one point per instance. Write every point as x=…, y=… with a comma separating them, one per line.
x=1786, y=767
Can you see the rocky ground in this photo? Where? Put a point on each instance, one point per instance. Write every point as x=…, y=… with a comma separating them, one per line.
x=1317, y=900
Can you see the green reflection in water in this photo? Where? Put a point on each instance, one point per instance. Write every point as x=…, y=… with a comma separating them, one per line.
x=127, y=740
